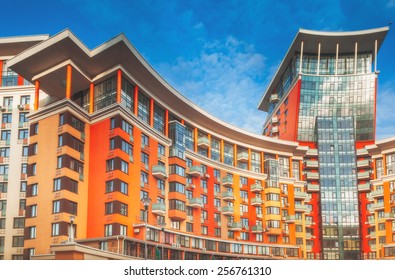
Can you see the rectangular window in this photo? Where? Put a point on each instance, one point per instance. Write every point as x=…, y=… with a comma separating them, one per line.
x=17, y=241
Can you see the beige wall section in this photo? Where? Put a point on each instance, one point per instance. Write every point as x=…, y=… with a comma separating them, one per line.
x=14, y=162
x=46, y=172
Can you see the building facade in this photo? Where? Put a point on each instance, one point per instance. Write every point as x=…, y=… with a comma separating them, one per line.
x=324, y=97
x=107, y=132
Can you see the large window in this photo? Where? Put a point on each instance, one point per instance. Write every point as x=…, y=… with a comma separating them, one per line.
x=143, y=107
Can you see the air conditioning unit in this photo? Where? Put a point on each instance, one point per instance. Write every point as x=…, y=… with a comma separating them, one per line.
x=178, y=245
x=229, y=224
x=203, y=249
x=173, y=245
x=192, y=186
x=287, y=204
x=21, y=107
x=207, y=175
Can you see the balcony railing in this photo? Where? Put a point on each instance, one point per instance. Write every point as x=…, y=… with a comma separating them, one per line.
x=256, y=201
x=257, y=229
x=195, y=171
x=300, y=195
x=242, y=156
x=377, y=193
x=159, y=208
x=235, y=226
x=196, y=202
x=365, y=187
x=227, y=181
x=313, y=187
x=228, y=196
x=159, y=171
x=256, y=188
x=203, y=142
x=227, y=210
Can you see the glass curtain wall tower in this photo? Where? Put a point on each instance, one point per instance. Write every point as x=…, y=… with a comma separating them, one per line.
x=324, y=96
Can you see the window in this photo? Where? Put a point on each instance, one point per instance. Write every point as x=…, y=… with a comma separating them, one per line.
x=19, y=222
x=124, y=167
x=2, y=223
x=23, y=186
x=3, y=169
x=175, y=224
x=33, y=211
x=5, y=152
x=25, y=150
x=110, y=165
x=161, y=150
x=17, y=241
x=56, y=206
x=23, y=134
x=55, y=229
x=7, y=101
x=189, y=227
x=24, y=168
x=144, y=140
x=57, y=184
x=144, y=158
x=127, y=127
x=6, y=118
x=5, y=134
x=23, y=118
x=143, y=178
x=32, y=232
x=25, y=100
x=204, y=230
x=108, y=230
x=3, y=187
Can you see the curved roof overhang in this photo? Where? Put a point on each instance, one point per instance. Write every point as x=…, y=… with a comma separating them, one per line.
x=10, y=46
x=47, y=62
x=329, y=40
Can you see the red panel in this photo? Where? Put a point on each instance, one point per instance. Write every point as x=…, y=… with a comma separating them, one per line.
x=290, y=130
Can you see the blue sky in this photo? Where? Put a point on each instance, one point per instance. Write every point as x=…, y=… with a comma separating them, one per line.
x=219, y=54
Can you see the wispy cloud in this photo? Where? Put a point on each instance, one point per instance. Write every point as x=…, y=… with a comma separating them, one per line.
x=226, y=79
x=385, y=111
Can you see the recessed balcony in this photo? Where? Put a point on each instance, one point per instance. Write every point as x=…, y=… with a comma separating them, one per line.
x=389, y=216
x=274, y=129
x=377, y=206
x=290, y=219
x=195, y=171
x=255, y=188
x=362, y=152
x=159, y=208
x=227, y=181
x=274, y=120
x=159, y=171
x=301, y=208
x=203, y=142
x=312, y=152
x=242, y=157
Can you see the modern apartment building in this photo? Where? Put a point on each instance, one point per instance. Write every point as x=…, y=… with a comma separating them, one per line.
x=324, y=97
x=121, y=165
x=15, y=104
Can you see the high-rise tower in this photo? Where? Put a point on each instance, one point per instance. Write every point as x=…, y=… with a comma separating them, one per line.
x=324, y=96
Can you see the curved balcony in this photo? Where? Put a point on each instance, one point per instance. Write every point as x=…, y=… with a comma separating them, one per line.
x=228, y=210
x=256, y=201
x=196, y=202
x=255, y=188
x=195, y=171
x=256, y=229
x=228, y=196
x=227, y=181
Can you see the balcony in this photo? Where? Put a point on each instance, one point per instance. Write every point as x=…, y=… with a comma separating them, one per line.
x=309, y=248
x=312, y=152
x=371, y=222
x=5, y=142
x=362, y=152
x=311, y=176
x=377, y=193
x=159, y=171
x=366, y=175
x=235, y=226
x=256, y=188
x=256, y=229
x=256, y=201
x=228, y=196
x=274, y=231
x=274, y=120
x=196, y=202
x=273, y=98
x=228, y=210
x=274, y=129
x=227, y=181
x=309, y=164
x=300, y=195
x=195, y=171
x=313, y=187
x=377, y=206
x=363, y=163
x=389, y=216
x=159, y=208
x=242, y=157
x=301, y=208
x=365, y=187
x=203, y=142
x=373, y=247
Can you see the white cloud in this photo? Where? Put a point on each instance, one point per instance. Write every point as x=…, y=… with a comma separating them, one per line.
x=226, y=79
x=385, y=111
x=390, y=4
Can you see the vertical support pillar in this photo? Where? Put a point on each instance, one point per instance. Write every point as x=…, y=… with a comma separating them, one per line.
x=249, y=159
x=235, y=155
x=182, y=122
x=36, y=95
x=375, y=56
x=222, y=150
x=337, y=58
x=195, y=135
x=167, y=123
x=20, y=80
x=209, y=148
x=355, y=57
x=300, y=169
x=151, y=112
x=136, y=99
x=68, y=81
x=91, y=97
x=119, y=85
x=301, y=58
x=318, y=59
